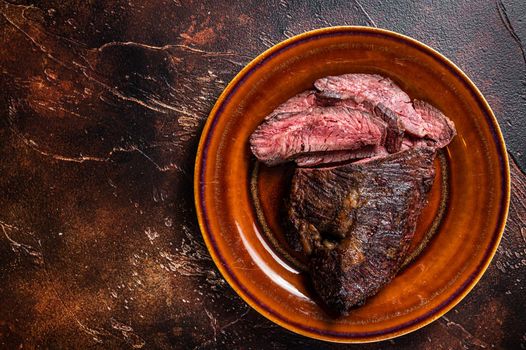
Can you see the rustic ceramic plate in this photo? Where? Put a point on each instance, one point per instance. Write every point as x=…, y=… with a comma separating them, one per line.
x=238, y=202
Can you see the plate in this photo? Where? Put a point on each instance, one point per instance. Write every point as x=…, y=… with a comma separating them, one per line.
x=238, y=201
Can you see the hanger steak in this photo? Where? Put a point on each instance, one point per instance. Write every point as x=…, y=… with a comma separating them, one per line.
x=364, y=153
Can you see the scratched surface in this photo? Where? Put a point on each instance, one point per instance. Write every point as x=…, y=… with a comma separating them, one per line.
x=101, y=107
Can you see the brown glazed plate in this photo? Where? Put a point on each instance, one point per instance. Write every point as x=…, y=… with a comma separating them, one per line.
x=238, y=201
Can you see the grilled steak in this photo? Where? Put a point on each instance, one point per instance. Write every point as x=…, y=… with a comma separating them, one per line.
x=356, y=221
x=355, y=217
x=289, y=135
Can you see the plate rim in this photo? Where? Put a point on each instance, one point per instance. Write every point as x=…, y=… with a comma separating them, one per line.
x=414, y=324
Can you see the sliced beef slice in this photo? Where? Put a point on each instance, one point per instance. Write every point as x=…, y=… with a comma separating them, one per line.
x=374, y=89
x=299, y=103
x=323, y=158
x=356, y=221
x=395, y=129
x=319, y=130
x=439, y=129
x=368, y=91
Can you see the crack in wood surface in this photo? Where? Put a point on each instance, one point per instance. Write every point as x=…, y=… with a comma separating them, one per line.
x=518, y=201
x=128, y=334
x=503, y=14
x=464, y=335
x=35, y=254
x=362, y=9
x=81, y=158
x=169, y=48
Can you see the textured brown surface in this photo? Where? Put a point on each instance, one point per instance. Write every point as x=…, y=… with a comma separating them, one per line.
x=101, y=106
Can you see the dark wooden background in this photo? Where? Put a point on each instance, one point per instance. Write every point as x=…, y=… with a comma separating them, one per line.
x=101, y=107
